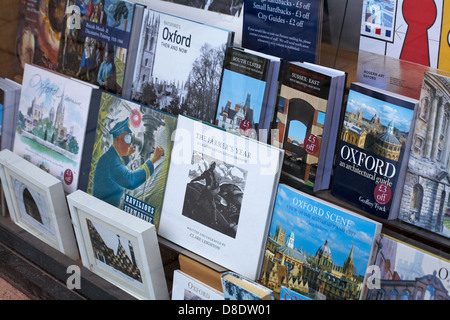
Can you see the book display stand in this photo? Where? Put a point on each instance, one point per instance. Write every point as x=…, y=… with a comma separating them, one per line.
x=182, y=178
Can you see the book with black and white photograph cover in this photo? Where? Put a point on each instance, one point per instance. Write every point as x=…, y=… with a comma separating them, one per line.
x=373, y=149
x=248, y=93
x=56, y=122
x=179, y=65
x=306, y=122
x=219, y=195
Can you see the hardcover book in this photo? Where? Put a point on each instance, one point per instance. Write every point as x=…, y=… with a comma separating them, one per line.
x=56, y=125
x=425, y=199
x=290, y=30
x=39, y=26
x=96, y=38
x=248, y=92
x=308, y=111
x=316, y=248
x=237, y=287
x=410, y=30
x=185, y=287
x=372, y=153
x=130, y=157
x=179, y=65
x=400, y=271
x=221, y=188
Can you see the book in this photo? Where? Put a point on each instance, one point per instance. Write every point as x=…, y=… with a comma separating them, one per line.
x=316, y=248
x=306, y=122
x=185, y=287
x=9, y=99
x=286, y=294
x=371, y=157
x=414, y=31
x=203, y=271
x=401, y=271
x=424, y=199
x=179, y=65
x=56, y=125
x=237, y=287
x=221, y=188
x=291, y=30
x=39, y=26
x=247, y=93
x=130, y=157
x=96, y=38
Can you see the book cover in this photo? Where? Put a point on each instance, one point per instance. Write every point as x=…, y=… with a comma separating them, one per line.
x=290, y=30
x=287, y=294
x=247, y=93
x=425, y=197
x=185, y=287
x=39, y=26
x=179, y=65
x=400, y=271
x=53, y=129
x=306, y=119
x=316, y=248
x=371, y=157
x=225, y=187
x=10, y=96
x=130, y=157
x=237, y=287
x=95, y=41
x=410, y=30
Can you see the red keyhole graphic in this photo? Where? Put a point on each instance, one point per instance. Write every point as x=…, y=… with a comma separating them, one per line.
x=420, y=16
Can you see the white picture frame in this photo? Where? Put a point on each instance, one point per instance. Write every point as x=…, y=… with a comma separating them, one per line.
x=102, y=232
x=37, y=203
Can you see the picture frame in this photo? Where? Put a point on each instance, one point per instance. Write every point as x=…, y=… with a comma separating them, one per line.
x=118, y=246
x=37, y=203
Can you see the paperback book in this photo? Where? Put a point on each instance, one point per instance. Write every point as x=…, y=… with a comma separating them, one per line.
x=306, y=122
x=56, y=125
x=39, y=26
x=425, y=199
x=9, y=100
x=185, y=287
x=248, y=92
x=237, y=287
x=410, y=30
x=96, y=39
x=400, y=271
x=130, y=157
x=179, y=65
x=372, y=153
x=316, y=248
x=225, y=187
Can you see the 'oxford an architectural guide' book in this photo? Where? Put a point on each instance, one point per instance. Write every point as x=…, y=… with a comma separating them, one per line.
x=372, y=151
x=56, y=124
x=316, y=248
x=308, y=112
x=248, y=92
x=130, y=157
x=425, y=198
x=219, y=195
x=179, y=65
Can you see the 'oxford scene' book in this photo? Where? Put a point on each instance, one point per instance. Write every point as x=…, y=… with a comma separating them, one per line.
x=316, y=248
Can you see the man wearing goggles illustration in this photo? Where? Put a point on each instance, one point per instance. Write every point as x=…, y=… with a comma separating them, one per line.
x=111, y=175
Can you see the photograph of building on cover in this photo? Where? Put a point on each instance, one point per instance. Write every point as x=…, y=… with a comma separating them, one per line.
x=214, y=194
